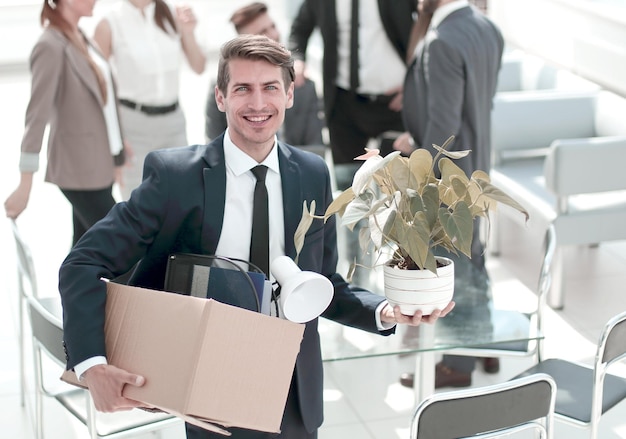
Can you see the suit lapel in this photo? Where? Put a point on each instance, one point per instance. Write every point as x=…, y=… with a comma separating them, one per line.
x=292, y=196
x=80, y=65
x=214, y=195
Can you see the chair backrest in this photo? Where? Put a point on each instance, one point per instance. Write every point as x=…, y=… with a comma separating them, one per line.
x=25, y=265
x=612, y=344
x=523, y=403
x=47, y=326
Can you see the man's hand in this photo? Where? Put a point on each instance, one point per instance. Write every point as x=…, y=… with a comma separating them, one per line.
x=106, y=383
x=396, y=102
x=404, y=143
x=393, y=315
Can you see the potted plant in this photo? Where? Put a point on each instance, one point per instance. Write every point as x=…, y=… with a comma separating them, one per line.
x=410, y=211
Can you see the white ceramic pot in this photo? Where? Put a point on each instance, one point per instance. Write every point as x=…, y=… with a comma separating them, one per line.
x=423, y=290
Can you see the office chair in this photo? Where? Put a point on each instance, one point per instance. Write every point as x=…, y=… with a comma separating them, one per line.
x=485, y=412
x=27, y=286
x=584, y=394
x=534, y=346
x=47, y=335
x=47, y=339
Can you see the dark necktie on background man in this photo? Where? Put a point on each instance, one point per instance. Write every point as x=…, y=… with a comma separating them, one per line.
x=354, y=47
x=260, y=242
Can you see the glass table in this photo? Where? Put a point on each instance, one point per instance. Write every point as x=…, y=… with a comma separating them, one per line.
x=475, y=323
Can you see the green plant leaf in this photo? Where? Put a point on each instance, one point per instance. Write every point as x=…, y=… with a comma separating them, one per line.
x=458, y=225
x=421, y=166
x=414, y=238
x=305, y=222
x=492, y=192
x=450, y=169
x=459, y=186
x=364, y=174
x=443, y=149
x=339, y=204
x=381, y=223
x=430, y=198
x=355, y=211
x=398, y=171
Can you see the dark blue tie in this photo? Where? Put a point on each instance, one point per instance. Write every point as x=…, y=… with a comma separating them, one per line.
x=260, y=242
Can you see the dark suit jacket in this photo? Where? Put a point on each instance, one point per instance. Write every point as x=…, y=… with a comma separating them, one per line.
x=449, y=88
x=303, y=122
x=397, y=18
x=179, y=207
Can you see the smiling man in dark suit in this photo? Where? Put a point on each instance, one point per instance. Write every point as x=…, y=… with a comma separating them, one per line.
x=199, y=199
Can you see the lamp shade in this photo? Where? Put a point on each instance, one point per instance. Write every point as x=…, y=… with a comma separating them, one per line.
x=304, y=295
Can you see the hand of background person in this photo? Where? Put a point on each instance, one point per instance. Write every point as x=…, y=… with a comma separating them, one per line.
x=299, y=67
x=393, y=315
x=15, y=204
x=119, y=177
x=105, y=384
x=129, y=153
x=404, y=143
x=186, y=19
x=396, y=102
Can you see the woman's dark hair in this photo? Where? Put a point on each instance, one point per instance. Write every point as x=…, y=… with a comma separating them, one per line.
x=163, y=13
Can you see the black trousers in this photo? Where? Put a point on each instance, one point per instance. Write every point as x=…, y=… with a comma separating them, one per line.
x=356, y=119
x=88, y=207
x=291, y=426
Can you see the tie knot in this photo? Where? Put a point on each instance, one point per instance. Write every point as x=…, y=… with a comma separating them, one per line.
x=260, y=172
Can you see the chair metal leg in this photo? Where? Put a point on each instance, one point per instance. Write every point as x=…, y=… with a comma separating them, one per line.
x=91, y=416
x=22, y=355
x=492, y=234
x=38, y=395
x=555, y=295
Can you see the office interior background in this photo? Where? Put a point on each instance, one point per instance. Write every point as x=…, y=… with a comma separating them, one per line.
x=586, y=37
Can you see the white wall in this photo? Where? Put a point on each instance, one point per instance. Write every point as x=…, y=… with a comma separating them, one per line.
x=586, y=36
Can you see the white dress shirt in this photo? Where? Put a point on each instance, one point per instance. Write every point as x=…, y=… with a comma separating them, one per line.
x=380, y=66
x=236, y=232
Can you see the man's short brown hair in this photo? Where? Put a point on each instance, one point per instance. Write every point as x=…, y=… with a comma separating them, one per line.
x=256, y=48
x=247, y=14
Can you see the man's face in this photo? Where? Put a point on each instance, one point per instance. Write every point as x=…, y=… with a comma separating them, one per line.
x=262, y=25
x=255, y=102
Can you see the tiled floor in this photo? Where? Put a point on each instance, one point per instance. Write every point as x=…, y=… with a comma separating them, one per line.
x=362, y=397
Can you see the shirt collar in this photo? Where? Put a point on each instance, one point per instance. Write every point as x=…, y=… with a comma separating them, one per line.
x=148, y=10
x=442, y=12
x=239, y=162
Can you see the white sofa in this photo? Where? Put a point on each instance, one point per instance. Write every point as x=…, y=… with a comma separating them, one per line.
x=563, y=156
x=521, y=71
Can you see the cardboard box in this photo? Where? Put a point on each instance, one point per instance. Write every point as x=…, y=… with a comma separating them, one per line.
x=204, y=361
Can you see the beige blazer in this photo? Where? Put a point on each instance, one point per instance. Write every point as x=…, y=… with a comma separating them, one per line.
x=65, y=95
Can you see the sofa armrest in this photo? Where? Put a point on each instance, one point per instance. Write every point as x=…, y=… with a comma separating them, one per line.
x=532, y=120
x=584, y=166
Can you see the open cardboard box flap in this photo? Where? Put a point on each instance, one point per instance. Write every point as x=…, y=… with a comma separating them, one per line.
x=203, y=361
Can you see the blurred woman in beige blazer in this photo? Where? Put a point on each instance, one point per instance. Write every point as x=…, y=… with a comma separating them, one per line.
x=73, y=93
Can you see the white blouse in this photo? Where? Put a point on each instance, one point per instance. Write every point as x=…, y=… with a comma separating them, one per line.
x=146, y=60
x=110, y=109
